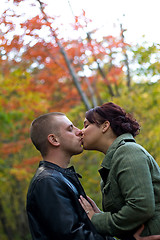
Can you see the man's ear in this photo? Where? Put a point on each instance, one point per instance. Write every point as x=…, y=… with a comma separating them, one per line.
x=105, y=126
x=53, y=140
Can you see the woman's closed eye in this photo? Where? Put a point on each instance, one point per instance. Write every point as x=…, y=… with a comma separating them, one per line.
x=86, y=123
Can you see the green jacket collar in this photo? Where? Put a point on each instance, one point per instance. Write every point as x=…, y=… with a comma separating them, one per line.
x=127, y=137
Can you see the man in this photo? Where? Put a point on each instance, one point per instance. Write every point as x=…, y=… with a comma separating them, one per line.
x=53, y=207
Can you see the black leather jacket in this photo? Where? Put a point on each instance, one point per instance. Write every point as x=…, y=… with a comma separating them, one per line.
x=53, y=208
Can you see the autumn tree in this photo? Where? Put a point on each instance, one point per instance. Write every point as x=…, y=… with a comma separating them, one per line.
x=147, y=59
x=42, y=71
x=60, y=65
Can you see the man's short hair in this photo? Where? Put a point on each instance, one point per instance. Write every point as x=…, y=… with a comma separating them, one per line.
x=41, y=127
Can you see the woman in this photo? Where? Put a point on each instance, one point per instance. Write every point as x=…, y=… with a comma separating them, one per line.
x=130, y=176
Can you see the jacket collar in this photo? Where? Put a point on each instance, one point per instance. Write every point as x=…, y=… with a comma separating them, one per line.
x=69, y=170
x=107, y=161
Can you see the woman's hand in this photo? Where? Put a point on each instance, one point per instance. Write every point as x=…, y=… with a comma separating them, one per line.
x=89, y=209
x=138, y=237
x=94, y=206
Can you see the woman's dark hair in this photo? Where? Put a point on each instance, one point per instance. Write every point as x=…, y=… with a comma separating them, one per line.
x=120, y=121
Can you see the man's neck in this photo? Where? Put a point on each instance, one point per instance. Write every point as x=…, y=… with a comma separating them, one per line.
x=58, y=163
x=58, y=159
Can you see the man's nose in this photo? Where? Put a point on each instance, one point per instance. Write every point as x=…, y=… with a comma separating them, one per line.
x=79, y=132
x=82, y=130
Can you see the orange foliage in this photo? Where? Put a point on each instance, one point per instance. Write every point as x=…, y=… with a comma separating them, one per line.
x=17, y=1
x=12, y=147
x=36, y=78
x=50, y=76
x=81, y=21
x=27, y=163
x=114, y=74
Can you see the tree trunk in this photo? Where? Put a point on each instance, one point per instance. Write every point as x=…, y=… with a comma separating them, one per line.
x=105, y=79
x=75, y=78
x=126, y=58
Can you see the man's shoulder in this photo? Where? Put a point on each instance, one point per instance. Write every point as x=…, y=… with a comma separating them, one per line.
x=44, y=174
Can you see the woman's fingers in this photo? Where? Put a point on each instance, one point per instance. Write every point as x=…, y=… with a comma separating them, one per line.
x=138, y=237
x=81, y=202
x=91, y=201
x=85, y=204
x=87, y=207
x=94, y=206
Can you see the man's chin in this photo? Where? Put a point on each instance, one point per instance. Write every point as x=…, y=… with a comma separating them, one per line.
x=80, y=151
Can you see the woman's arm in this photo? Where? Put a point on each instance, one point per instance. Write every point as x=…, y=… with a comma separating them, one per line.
x=132, y=175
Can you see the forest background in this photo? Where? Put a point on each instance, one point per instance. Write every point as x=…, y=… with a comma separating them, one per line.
x=43, y=71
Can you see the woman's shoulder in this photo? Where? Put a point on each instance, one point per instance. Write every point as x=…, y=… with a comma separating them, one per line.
x=130, y=152
x=129, y=146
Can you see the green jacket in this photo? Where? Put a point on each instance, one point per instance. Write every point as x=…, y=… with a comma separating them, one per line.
x=130, y=190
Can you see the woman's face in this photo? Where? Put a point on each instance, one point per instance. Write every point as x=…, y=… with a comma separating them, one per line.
x=91, y=135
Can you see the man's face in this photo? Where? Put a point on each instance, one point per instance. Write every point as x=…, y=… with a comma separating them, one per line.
x=70, y=137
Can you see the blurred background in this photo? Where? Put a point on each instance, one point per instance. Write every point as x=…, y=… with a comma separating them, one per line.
x=70, y=56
